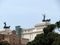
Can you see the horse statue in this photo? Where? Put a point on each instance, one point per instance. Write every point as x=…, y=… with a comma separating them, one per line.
x=45, y=20
x=6, y=27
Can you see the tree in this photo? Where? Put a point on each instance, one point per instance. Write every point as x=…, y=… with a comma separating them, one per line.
x=56, y=41
x=58, y=24
x=48, y=37
x=4, y=43
x=42, y=39
x=49, y=28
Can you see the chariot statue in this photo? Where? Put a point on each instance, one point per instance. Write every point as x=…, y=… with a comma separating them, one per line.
x=5, y=26
x=45, y=20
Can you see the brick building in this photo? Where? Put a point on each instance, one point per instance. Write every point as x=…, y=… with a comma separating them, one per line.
x=13, y=39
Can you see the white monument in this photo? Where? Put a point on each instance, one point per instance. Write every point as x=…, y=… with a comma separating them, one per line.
x=32, y=32
x=38, y=29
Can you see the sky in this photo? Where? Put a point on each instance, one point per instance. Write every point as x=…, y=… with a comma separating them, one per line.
x=27, y=13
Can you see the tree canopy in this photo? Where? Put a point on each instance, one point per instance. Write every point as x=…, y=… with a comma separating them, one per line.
x=58, y=24
x=48, y=37
x=4, y=43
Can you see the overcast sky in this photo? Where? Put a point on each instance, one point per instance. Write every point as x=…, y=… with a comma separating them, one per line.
x=27, y=13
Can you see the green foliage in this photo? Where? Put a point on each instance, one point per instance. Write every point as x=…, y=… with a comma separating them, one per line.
x=42, y=39
x=56, y=41
x=4, y=43
x=58, y=24
x=48, y=37
x=49, y=28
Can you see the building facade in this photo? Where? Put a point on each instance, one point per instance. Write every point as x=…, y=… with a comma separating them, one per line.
x=32, y=32
x=12, y=38
x=27, y=33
